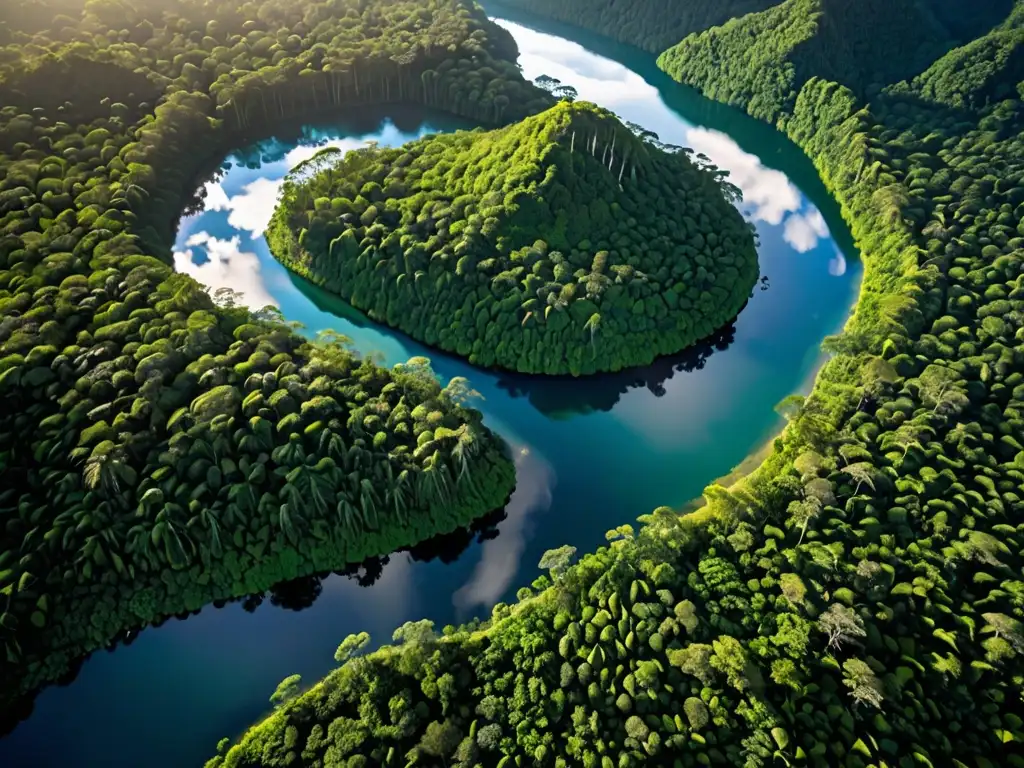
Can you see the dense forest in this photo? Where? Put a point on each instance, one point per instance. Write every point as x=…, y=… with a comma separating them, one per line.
x=564, y=243
x=858, y=599
x=161, y=448
x=774, y=53
x=653, y=25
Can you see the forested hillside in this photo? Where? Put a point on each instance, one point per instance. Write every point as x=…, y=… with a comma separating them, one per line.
x=984, y=71
x=761, y=61
x=564, y=243
x=653, y=25
x=160, y=448
x=856, y=601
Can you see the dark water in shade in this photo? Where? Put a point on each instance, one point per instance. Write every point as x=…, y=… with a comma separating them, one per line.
x=592, y=454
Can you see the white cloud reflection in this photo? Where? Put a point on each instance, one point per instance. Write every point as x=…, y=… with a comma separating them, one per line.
x=302, y=153
x=249, y=210
x=804, y=230
x=768, y=194
x=216, y=198
x=837, y=264
x=502, y=556
x=227, y=266
x=595, y=78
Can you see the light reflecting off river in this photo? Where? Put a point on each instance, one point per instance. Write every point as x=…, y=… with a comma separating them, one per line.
x=591, y=454
x=500, y=558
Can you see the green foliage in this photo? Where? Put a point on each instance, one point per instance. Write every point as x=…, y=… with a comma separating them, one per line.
x=773, y=53
x=879, y=618
x=351, y=646
x=161, y=448
x=564, y=243
x=286, y=690
x=653, y=25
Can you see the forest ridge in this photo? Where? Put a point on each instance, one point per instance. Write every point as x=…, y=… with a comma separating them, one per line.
x=856, y=601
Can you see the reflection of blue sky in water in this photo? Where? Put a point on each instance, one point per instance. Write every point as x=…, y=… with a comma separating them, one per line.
x=246, y=201
x=500, y=558
x=223, y=247
x=601, y=460
x=768, y=196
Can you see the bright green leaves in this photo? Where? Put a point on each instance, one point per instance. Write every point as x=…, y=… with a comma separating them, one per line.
x=547, y=242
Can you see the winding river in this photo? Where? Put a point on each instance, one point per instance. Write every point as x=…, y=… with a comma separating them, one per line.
x=591, y=454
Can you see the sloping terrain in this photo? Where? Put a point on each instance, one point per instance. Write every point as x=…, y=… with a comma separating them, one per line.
x=565, y=243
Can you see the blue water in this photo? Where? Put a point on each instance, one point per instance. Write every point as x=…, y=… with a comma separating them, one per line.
x=591, y=454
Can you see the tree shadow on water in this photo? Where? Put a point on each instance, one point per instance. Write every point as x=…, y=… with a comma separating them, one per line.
x=293, y=595
x=565, y=396
x=558, y=397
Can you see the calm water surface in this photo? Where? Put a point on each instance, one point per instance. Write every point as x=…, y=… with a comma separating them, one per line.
x=592, y=454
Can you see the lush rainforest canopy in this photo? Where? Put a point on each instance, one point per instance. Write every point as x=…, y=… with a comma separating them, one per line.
x=565, y=243
x=858, y=600
x=160, y=448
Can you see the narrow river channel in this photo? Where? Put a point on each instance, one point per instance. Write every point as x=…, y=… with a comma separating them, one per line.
x=592, y=454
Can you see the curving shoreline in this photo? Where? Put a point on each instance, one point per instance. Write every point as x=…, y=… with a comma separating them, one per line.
x=514, y=301
x=170, y=434
x=844, y=524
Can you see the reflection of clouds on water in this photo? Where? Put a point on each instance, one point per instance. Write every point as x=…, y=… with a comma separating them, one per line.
x=804, y=230
x=216, y=198
x=226, y=266
x=767, y=194
x=251, y=210
x=380, y=609
x=501, y=557
x=595, y=78
x=837, y=264
x=303, y=152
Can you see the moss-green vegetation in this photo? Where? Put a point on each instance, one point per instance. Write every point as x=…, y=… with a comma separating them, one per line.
x=565, y=243
x=773, y=53
x=858, y=600
x=653, y=25
x=159, y=450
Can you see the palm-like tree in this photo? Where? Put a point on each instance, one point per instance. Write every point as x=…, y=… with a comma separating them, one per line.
x=290, y=454
x=398, y=494
x=861, y=472
x=259, y=438
x=169, y=533
x=140, y=544
x=464, y=450
x=333, y=445
x=592, y=325
x=290, y=522
x=242, y=502
x=209, y=519
x=437, y=482
x=350, y=516
x=106, y=470
x=368, y=501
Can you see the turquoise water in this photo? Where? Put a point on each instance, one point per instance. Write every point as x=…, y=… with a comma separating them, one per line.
x=591, y=454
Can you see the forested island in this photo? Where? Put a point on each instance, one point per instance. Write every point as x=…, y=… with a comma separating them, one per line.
x=161, y=448
x=564, y=243
x=858, y=599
